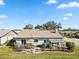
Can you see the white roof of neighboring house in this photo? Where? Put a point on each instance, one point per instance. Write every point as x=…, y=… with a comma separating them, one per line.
x=4, y=32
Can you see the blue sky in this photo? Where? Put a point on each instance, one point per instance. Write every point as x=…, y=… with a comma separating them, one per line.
x=18, y=13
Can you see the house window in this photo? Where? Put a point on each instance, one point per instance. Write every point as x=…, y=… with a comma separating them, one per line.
x=57, y=43
x=36, y=41
x=44, y=41
x=23, y=42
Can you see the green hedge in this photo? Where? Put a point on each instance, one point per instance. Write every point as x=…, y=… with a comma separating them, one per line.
x=70, y=45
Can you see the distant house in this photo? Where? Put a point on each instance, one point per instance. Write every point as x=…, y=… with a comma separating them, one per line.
x=77, y=36
x=5, y=35
x=39, y=37
x=68, y=31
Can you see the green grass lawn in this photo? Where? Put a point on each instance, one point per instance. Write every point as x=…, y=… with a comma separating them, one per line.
x=8, y=53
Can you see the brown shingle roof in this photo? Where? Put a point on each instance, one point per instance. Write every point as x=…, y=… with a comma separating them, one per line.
x=32, y=33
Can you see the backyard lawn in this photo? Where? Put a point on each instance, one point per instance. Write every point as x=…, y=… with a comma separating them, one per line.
x=8, y=53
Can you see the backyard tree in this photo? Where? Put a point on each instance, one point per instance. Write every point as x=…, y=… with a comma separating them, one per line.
x=29, y=26
x=70, y=45
x=38, y=27
x=49, y=26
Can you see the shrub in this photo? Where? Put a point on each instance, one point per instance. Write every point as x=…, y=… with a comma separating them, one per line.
x=29, y=45
x=11, y=43
x=70, y=45
x=42, y=45
x=49, y=46
x=18, y=47
x=39, y=46
x=45, y=45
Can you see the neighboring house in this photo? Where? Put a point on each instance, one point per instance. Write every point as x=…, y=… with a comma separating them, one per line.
x=39, y=37
x=6, y=35
x=68, y=31
x=77, y=36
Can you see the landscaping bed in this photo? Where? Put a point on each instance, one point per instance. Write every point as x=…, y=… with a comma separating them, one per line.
x=8, y=53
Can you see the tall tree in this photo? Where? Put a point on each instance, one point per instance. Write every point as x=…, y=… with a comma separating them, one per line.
x=29, y=26
x=38, y=27
x=59, y=25
x=51, y=25
x=47, y=26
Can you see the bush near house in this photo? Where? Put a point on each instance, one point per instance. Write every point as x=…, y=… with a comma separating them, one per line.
x=11, y=43
x=29, y=46
x=42, y=46
x=70, y=46
x=18, y=47
x=45, y=47
x=49, y=45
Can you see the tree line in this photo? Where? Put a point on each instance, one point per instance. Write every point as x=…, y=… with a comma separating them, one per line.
x=46, y=26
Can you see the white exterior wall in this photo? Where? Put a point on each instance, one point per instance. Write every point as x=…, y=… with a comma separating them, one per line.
x=18, y=41
x=11, y=37
x=40, y=41
x=30, y=41
x=3, y=40
x=60, y=41
x=57, y=40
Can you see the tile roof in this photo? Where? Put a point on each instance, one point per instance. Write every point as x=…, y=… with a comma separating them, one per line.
x=33, y=33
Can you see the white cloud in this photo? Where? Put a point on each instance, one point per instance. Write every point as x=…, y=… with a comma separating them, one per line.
x=3, y=16
x=68, y=14
x=70, y=4
x=51, y=2
x=2, y=2
x=40, y=12
x=26, y=21
x=65, y=18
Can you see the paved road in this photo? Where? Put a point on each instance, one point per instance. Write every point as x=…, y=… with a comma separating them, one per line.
x=76, y=41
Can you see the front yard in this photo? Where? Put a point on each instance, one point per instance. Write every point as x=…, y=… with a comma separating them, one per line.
x=8, y=53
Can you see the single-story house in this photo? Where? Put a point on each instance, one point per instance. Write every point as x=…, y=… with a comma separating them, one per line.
x=38, y=37
x=6, y=35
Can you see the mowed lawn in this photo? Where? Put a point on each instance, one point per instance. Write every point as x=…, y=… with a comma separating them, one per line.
x=8, y=53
